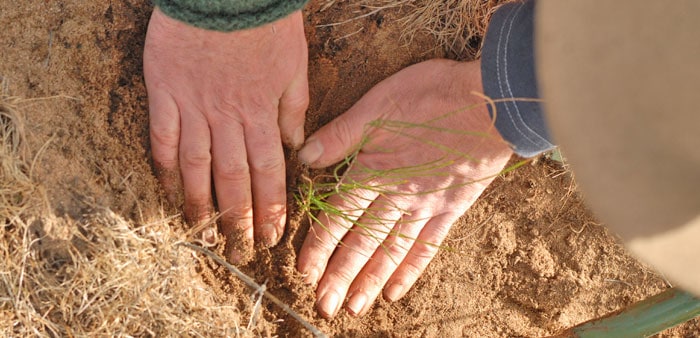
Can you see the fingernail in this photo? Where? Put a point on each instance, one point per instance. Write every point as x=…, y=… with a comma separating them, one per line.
x=311, y=277
x=298, y=137
x=235, y=257
x=269, y=232
x=209, y=237
x=393, y=292
x=311, y=151
x=329, y=304
x=357, y=303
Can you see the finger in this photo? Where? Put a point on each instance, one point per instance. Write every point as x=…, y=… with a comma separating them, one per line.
x=356, y=249
x=164, y=129
x=292, y=109
x=329, y=229
x=422, y=252
x=369, y=283
x=267, y=170
x=195, y=165
x=343, y=135
x=233, y=192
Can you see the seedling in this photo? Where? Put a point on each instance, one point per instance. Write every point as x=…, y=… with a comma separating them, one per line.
x=350, y=180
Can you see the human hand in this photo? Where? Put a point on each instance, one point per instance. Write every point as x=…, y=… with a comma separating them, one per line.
x=390, y=236
x=219, y=104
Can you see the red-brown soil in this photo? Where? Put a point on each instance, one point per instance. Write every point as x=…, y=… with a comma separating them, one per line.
x=529, y=259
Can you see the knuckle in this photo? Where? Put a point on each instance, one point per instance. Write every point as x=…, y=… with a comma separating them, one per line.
x=373, y=280
x=227, y=106
x=164, y=136
x=398, y=248
x=268, y=165
x=367, y=243
x=238, y=172
x=411, y=270
x=342, y=131
x=343, y=276
x=224, y=100
x=195, y=158
x=271, y=213
x=424, y=251
x=297, y=103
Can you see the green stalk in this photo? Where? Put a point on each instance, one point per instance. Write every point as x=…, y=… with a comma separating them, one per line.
x=645, y=318
x=314, y=193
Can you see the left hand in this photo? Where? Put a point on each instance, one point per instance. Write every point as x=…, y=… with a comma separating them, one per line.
x=409, y=223
x=221, y=103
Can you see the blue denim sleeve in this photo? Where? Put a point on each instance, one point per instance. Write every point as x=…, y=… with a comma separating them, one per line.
x=508, y=72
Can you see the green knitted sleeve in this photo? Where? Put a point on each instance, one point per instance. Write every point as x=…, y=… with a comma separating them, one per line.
x=228, y=15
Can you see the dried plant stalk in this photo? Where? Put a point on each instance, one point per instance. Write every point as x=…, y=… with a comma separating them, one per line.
x=458, y=25
x=97, y=276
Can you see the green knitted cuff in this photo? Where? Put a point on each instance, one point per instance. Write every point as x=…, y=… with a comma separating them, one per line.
x=228, y=15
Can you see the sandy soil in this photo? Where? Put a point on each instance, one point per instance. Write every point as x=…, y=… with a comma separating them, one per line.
x=529, y=259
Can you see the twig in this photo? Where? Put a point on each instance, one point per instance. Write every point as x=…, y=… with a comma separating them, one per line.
x=349, y=35
x=257, y=296
x=255, y=286
x=359, y=16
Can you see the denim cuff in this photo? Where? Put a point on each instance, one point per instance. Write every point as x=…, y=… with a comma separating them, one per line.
x=508, y=74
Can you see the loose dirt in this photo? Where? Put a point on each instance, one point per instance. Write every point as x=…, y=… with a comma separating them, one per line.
x=528, y=259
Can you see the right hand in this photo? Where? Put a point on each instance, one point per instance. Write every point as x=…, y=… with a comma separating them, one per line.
x=220, y=104
x=393, y=227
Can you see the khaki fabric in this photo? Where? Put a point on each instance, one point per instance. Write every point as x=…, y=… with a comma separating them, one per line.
x=621, y=87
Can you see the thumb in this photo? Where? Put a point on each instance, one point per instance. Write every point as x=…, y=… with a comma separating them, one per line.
x=343, y=135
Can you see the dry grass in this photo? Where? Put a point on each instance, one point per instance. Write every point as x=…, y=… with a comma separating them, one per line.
x=458, y=25
x=97, y=276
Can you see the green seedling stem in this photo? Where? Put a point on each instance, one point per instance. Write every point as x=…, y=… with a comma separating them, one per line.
x=314, y=193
